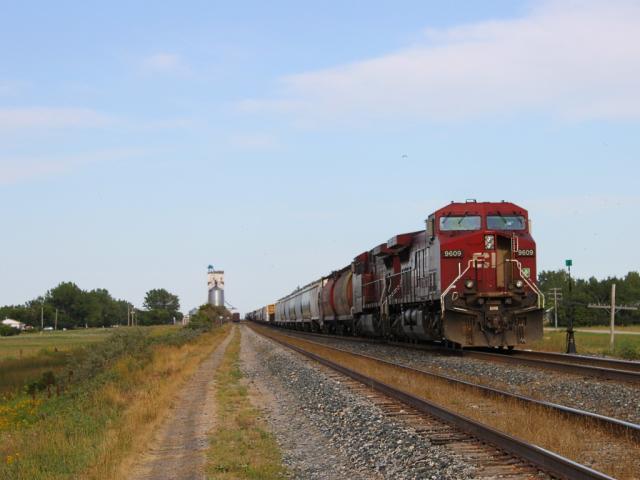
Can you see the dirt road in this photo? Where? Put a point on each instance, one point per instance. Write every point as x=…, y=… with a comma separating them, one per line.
x=177, y=450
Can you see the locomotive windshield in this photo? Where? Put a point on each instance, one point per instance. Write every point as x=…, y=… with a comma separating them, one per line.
x=505, y=222
x=464, y=222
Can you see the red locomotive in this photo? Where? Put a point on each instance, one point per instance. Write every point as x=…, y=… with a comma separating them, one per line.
x=468, y=279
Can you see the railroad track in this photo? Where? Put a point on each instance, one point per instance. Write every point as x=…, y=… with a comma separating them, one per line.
x=605, y=368
x=489, y=462
x=343, y=362
x=619, y=426
x=610, y=369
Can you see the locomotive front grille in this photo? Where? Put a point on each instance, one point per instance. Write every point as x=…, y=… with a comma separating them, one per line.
x=492, y=318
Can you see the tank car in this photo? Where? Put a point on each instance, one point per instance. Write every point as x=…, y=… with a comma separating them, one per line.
x=468, y=278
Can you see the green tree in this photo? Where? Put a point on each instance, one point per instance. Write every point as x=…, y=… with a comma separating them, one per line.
x=583, y=292
x=161, y=307
x=65, y=296
x=96, y=308
x=7, y=331
x=71, y=302
x=208, y=315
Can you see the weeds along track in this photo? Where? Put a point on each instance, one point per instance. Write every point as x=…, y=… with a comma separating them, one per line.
x=587, y=366
x=562, y=441
x=606, y=368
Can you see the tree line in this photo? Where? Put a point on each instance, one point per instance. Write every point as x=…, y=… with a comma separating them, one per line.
x=97, y=308
x=75, y=308
x=575, y=299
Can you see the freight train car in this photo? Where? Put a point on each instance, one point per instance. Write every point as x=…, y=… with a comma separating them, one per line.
x=467, y=278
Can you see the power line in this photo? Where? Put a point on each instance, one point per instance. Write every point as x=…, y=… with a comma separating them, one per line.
x=612, y=308
x=557, y=296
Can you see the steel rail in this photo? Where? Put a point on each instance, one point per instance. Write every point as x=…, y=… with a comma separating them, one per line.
x=609, y=369
x=613, y=363
x=559, y=363
x=539, y=457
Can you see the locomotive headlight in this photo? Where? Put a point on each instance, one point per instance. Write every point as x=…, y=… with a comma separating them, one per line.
x=469, y=284
x=519, y=284
x=489, y=242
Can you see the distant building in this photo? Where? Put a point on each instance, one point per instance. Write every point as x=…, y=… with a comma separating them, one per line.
x=215, y=285
x=187, y=318
x=14, y=323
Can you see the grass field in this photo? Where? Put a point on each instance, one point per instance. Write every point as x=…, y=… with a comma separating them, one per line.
x=619, y=328
x=626, y=346
x=30, y=344
x=26, y=357
x=121, y=389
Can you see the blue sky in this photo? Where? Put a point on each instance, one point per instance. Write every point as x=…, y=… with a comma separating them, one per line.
x=138, y=145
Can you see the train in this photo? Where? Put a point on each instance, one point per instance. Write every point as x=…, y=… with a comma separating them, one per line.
x=467, y=279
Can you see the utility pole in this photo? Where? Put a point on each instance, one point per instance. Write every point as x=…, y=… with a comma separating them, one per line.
x=557, y=296
x=128, y=315
x=612, y=310
x=571, y=339
x=41, y=318
x=55, y=322
x=612, y=320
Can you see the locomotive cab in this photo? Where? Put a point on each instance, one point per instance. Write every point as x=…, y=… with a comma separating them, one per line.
x=489, y=295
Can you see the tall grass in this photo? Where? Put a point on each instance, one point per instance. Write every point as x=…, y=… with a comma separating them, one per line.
x=116, y=392
x=587, y=343
x=79, y=352
x=15, y=373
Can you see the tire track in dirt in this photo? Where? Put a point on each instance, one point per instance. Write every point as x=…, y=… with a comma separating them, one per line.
x=178, y=448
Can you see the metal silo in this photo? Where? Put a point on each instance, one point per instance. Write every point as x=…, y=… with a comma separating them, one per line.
x=216, y=297
x=215, y=285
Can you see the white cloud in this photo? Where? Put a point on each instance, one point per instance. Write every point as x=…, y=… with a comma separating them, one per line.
x=164, y=63
x=28, y=118
x=44, y=117
x=254, y=141
x=16, y=171
x=567, y=59
x=20, y=169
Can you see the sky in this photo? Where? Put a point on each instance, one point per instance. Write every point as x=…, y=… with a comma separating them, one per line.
x=277, y=140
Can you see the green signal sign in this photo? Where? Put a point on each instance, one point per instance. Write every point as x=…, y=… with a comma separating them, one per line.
x=568, y=263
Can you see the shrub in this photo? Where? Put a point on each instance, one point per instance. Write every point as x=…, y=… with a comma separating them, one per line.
x=46, y=380
x=208, y=316
x=628, y=351
x=178, y=337
x=133, y=342
x=136, y=343
x=200, y=321
x=7, y=331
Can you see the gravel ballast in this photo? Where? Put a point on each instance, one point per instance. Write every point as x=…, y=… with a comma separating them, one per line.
x=610, y=398
x=328, y=431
